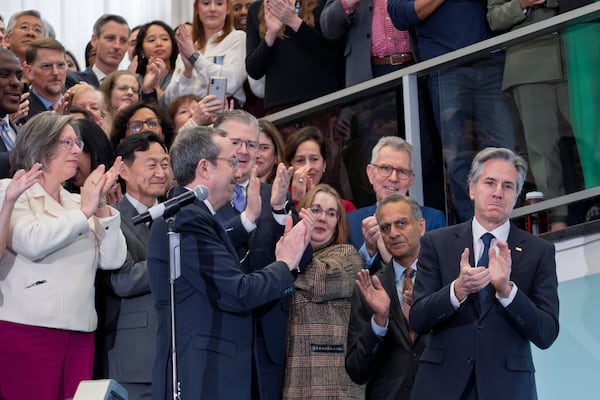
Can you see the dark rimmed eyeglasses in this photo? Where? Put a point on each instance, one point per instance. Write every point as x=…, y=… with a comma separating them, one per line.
x=386, y=170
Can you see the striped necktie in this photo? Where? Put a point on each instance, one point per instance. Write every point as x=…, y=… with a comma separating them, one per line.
x=6, y=135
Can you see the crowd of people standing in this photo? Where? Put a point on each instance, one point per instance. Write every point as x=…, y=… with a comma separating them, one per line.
x=286, y=286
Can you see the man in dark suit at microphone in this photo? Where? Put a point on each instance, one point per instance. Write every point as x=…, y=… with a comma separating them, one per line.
x=214, y=298
x=130, y=321
x=262, y=219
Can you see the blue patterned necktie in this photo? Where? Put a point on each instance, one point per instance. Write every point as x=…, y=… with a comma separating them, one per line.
x=483, y=262
x=6, y=136
x=239, y=201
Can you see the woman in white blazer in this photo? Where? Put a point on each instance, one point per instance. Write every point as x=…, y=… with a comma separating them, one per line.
x=56, y=241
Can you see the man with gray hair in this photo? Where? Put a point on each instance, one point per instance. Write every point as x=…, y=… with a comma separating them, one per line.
x=486, y=290
x=383, y=352
x=23, y=28
x=390, y=171
x=266, y=206
x=214, y=297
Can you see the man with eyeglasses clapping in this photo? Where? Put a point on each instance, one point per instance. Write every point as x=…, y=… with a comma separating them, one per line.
x=390, y=171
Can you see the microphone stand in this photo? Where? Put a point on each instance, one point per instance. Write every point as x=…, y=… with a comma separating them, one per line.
x=175, y=272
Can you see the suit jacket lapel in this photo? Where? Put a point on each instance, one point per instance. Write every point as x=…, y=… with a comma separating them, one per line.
x=128, y=211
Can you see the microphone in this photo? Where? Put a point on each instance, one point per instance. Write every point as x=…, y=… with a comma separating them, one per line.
x=170, y=207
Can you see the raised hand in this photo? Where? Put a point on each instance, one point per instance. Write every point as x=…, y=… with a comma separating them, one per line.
x=470, y=279
x=253, y=200
x=500, y=266
x=22, y=181
x=280, y=186
x=374, y=295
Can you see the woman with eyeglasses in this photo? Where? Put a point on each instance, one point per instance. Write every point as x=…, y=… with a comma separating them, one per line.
x=306, y=150
x=140, y=117
x=320, y=306
x=56, y=242
x=120, y=89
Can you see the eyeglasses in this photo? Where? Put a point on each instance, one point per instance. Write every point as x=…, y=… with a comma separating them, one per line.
x=329, y=213
x=136, y=126
x=251, y=145
x=386, y=170
x=49, y=67
x=69, y=143
x=233, y=161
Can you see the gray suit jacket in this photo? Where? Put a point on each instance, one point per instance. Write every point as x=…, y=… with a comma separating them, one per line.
x=357, y=27
x=131, y=320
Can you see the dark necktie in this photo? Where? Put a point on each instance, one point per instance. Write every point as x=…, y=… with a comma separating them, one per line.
x=483, y=262
x=407, y=284
x=239, y=201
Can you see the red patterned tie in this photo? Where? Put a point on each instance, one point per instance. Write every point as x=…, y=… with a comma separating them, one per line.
x=407, y=284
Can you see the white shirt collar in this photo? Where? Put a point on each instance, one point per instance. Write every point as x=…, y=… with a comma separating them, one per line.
x=140, y=207
x=500, y=233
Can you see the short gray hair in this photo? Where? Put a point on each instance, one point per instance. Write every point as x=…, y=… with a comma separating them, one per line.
x=240, y=116
x=415, y=208
x=192, y=145
x=37, y=140
x=494, y=153
x=33, y=13
x=395, y=142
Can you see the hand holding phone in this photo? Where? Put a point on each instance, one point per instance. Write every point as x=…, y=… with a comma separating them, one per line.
x=217, y=87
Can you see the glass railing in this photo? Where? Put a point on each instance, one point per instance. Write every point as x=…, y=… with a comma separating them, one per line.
x=548, y=110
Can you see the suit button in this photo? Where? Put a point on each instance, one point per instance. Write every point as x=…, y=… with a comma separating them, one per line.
x=479, y=326
x=368, y=36
x=469, y=360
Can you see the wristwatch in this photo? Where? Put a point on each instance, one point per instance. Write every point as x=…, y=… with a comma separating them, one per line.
x=195, y=55
x=285, y=210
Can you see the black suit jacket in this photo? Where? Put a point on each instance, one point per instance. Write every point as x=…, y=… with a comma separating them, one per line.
x=35, y=106
x=214, y=302
x=87, y=75
x=130, y=317
x=495, y=340
x=386, y=364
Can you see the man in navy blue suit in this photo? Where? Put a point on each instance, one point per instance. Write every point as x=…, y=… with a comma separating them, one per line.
x=214, y=298
x=484, y=315
x=264, y=219
x=390, y=171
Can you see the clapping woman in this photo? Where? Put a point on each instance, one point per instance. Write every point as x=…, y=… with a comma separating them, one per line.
x=320, y=306
x=56, y=241
x=214, y=49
